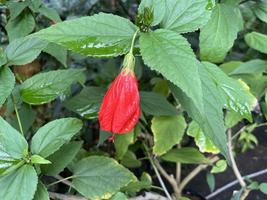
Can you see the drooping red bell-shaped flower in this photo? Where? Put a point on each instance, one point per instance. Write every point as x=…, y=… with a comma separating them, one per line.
x=120, y=109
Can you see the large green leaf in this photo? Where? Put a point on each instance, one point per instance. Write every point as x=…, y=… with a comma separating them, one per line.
x=24, y=50
x=219, y=34
x=256, y=66
x=7, y=83
x=66, y=154
x=257, y=41
x=185, y=155
x=158, y=8
x=98, y=35
x=186, y=15
x=211, y=118
x=98, y=177
x=260, y=9
x=236, y=94
x=170, y=54
x=53, y=135
x=19, y=185
x=156, y=104
x=41, y=192
x=11, y=141
x=45, y=87
x=167, y=131
x=87, y=102
x=204, y=144
x=21, y=26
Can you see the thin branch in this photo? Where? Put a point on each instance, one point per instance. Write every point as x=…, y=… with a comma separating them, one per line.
x=54, y=195
x=17, y=114
x=232, y=159
x=157, y=173
x=196, y=171
x=233, y=183
x=178, y=169
x=64, y=180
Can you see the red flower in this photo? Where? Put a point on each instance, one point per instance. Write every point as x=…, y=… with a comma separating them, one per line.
x=120, y=109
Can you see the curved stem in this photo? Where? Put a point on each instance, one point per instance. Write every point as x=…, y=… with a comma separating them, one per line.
x=133, y=41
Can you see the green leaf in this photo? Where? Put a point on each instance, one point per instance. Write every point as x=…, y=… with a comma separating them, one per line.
x=119, y=196
x=19, y=185
x=100, y=35
x=35, y=159
x=58, y=52
x=41, y=192
x=219, y=167
x=257, y=41
x=158, y=8
x=185, y=155
x=7, y=83
x=20, y=26
x=98, y=177
x=122, y=142
x=16, y=8
x=136, y=186
x=24, y=50
x=167, y=131
x=50, y=13
x=66, y=154
x=186, y=15
x=53, y=135
x=45, y=87
x=156, y=104
x=170, y=54
x=129, y=160
x=256, y=66
x=204, y=144
x=260, y=10
x=11, y=141
x=3, y=59
x=211, y=181
x=219, y=34
x=236, y=94
x=210, y=119
x=263, y=188
x=87, y=102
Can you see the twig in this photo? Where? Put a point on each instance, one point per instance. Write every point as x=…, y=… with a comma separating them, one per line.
x=196, y=171
x=232, y=159
x=64, y=180
x=54, y=195
x=178, y=169
x=231, y=184
x=157, y=173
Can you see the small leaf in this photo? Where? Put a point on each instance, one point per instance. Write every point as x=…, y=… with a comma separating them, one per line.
x=156, y=105
x=263, y=188
x=260, y=9
x=257, y=41
x=219, y=167
x=53, y=135
x=100, y=35
x=11, y=141
x=122, y=142
x=66, y=154
x=35, y=159
x=256, y=66
x=7, y=83
x=58, y=52
x=98, y=177
x=45, y=87
x=41, y=192
x=185, y=155
x=19, y=185
x=24, y=50
x=167, y=131
x=129, y=160
x=50, y=13
x=211, y=181
x=21, y=26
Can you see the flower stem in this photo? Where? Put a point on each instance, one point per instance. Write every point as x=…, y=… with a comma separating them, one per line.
x=133, y=41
